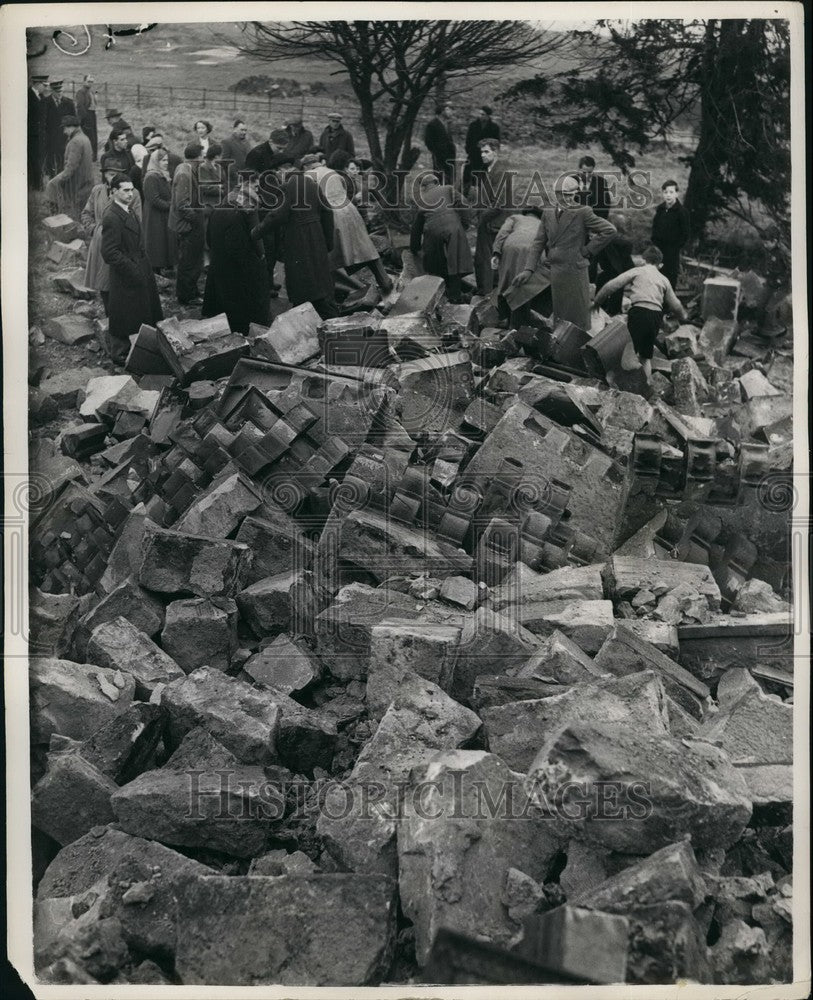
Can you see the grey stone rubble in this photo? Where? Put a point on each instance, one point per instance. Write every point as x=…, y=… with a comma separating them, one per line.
x=338, y=669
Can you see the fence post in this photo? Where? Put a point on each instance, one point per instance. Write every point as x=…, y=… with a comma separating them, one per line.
x=204, y=97
x=234, y=105
x=138, y=95
x=170, y=95
x=106, y=101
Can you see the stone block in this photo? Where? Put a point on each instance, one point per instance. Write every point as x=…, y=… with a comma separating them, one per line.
x=577, y=942
x=282, y=603
x=52, y=620
x=128, y=600
x=248, y=930
x=666, y=945
x=72, y=282
x=682, y=342
x=627, y=575
x=358, y=821
x=499, y=689
x=751, y=726
x=661, y=635
x=104, y=395
x=220, y=509
x=355, y=340
x=292, y=337
x=491, y=643
x=460, y=591
x=717, y=337
x=306, y=738
x=559, y=660
x=384, y=548
x=624, y=652
x=229, y=812
x=240, y=717
x=61, y=253
x=400, y=648
x=277, y=546
x=689, y=387
x=145, y=357
x=282, y=863
x=284, y=665
x=119, y=645
x=201, y=632
x=72, y=797
x=666, y=788
x=569, y=583
x=83, y=440
x=200, y=349
x=422, y=296
x=73, y=699
x=405, y=338
x=61, y=227
x=517, y=730
x=455, y=852
x=721, y=298
x=587, y=623
x=63, y=387
x=754, y=383
x=199, y=750
x=124, y=554
x=125, y=746
x=433, y=392
x=176, y=563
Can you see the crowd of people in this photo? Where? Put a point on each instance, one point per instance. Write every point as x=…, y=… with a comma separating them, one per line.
x=294, y=200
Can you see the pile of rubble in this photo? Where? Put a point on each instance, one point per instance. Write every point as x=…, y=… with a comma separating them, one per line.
x=403, y=647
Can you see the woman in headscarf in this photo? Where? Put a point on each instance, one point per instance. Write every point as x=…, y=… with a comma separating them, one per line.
x=159, y=240
x=137, y=172
x=438, y=228
x=97, y=272
x=352, y=247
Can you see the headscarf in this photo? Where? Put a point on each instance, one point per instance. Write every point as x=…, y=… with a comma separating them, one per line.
x=158, y=163
x=139, y=152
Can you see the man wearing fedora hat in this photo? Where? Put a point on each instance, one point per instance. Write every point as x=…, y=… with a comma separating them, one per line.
x=68, y=190
x=336, y=136
x=300, y=140
x=86, y=111
x=36, y=130
x=118, y=124
x=56, y=107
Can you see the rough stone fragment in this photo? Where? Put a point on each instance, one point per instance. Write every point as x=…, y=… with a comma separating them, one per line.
x=228, y=812
x=198, y=750
x=661, y=635
x=559, y=660
x=293, y=930
x=689, y=387
x=570, y=583
x=587, y=868
x=68, y=329
x=277, y=546
x=201, y=632
x=454, y=852
x=517, y=730
x=624, y=652
x=754, y=383
x=491, y=643
x=119, y=645
x=433, y=392
x=721, y=297
x=358, y=821
x=82, y=440
x=627, y=575
x=292, y=337
x=460, y=591
x=281, y=603
x=175, y=563
x=756, y=596
x=70, y=798
x=682, y=342
x=66, y=253
x=128, y=600
x=218, y=512
x=243, y=719
x=751, y=726
x=577, y=942
x=125, y=746
x=72, y=282
x=587, y=623
x=668, y=788
x=73, y=699
x=741, y=954
x=52, y=620
x=422, y=296
x=84, y=862
x=63, y=387
x=398, y=648
x=284, y=665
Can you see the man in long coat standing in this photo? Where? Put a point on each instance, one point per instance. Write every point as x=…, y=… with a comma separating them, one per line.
x=56, y=108
x=69, y=189
x=86, y=112
x=483, y=127
x=494, y=195
x=237, y=281
x=336, y=136
x=133, y=293
x=437, y=138
x=36, y=130
x=571, y=234
x=306, y=224
x=187, y=220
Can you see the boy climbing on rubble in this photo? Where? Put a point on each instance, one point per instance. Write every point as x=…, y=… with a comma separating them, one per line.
x=650, y=292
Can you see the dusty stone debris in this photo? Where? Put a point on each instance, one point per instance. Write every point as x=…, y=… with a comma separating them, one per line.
x=446, y=665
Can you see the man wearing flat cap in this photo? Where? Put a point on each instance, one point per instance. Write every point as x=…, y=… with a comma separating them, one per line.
x=68, y=191
x=86, y=111
x=36, y=130
x=483, y=127
x=56, y=107
x=300, y=140
x=336, y=136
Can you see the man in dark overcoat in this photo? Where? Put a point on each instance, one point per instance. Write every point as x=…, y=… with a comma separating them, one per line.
x=187, y=220
x=36, y=130
x=266, y=160
x=437, y=138
x=56, y=108
x=494, y=196
x=336, y=136
x=300, y=140
x=483, y=127
x=237, y=280
x=306, y=224
x=133, y=294
x=671, y=229
x=86, y=112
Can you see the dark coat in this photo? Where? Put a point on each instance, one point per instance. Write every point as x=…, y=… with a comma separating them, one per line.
x=133, y=294
x=438, y=226
x=494, y=195
x=159, y=242
x=234, y=153
x=186, y=213
x=298, y=145
x=262, y=158
x=670, y=226
x=596, y=195
x=614, y=259
x=122, y=160
x=476, y=131
x=330, y=140
x=122, y=125
x=86, y=113
x=55, y=139
x=36, y=137
x=237, y=281
x=307, y=227
x=438, y=140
